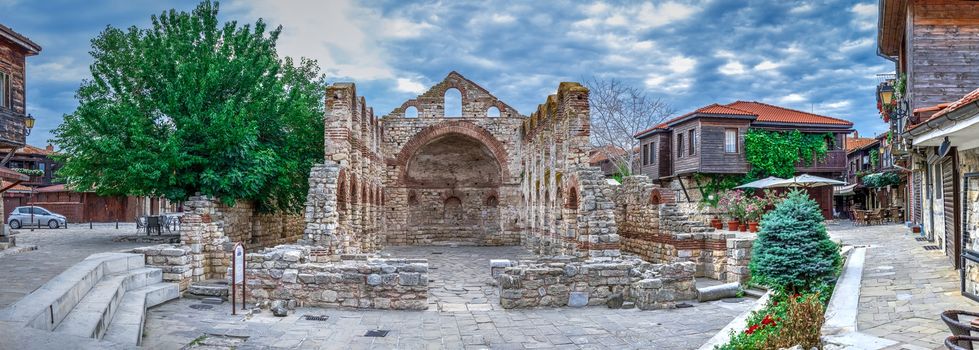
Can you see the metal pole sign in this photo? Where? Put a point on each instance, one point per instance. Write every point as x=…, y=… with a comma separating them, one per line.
x=238, y=276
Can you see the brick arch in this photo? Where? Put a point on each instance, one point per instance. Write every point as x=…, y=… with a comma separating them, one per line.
x=458, y=127
x=571, y=200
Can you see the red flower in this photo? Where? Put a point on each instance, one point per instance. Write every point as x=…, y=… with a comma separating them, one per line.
x=751, y=329
x=768, y=320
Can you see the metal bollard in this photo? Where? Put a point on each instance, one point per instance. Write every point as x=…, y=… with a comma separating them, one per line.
x=89, y=225
x=117, y=225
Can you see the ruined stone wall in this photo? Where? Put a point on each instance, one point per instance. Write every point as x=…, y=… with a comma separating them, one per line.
x=654, y=228
x=209, y=247
x=576, y=283
x=567, y=205
x=175, y=260
x=296, y=276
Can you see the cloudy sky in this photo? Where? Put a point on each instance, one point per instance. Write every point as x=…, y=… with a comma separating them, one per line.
x=810, y=55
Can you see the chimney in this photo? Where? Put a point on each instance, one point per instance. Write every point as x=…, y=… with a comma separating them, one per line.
x=49, y=148
x=856, y=134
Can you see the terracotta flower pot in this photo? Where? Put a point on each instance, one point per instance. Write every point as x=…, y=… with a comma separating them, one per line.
x=752, y=226
x=743, y=228
x=716, y=223
x=732, y=225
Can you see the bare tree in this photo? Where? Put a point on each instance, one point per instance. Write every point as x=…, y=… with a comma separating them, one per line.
x=618, y=112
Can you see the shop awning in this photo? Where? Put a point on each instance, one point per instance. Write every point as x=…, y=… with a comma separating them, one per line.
x=844, y=190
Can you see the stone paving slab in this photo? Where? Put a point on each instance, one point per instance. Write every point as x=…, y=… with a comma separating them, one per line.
x=464, y=313
x=57, y=249
x=904, y=288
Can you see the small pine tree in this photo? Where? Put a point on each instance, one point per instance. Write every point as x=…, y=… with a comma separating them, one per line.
x=793, y=252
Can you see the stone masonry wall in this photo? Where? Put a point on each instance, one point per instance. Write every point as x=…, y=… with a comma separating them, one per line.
x=654, y=228
x=575, y=283
x=175, y=260
x=296, y=276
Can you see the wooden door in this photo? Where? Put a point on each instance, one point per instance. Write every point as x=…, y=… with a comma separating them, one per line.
x=950, y=194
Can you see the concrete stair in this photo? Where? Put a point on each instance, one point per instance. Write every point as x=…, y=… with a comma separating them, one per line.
x=90, y=297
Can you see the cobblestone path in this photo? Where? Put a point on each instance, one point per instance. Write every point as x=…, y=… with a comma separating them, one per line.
x=904, y=287
x=464, y=314
x=57, y=249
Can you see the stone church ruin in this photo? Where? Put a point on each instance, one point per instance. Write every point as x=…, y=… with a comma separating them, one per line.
x=484, y=175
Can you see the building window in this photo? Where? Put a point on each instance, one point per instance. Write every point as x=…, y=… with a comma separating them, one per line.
x=645, y=154
x=679, y=145
x=4, y=90
x=652, y=153
x=692, y=136
x=731, y=140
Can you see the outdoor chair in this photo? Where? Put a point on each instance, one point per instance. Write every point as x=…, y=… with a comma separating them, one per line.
x=153, y=224
x=960, y=342
x=140, y=224
x=897, y=215
x=960, y=329
x=874, y=218
x=860, y=216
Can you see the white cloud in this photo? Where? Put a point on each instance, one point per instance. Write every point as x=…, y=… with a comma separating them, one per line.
x=865, y=16
x=732, y=68
x=792, y=98
x=767, y=65
x=342, y=36
x=801, y=8
x=851, y=45
x=502, y=18
x=58, y=69
x=408, y=85
x=843, y=104
x=634, y=18
x=682, y=64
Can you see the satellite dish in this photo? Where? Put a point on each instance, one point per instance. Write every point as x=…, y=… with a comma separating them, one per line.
x=944, y=148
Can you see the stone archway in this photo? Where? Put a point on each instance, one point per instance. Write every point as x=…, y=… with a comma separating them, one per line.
x=453, y=179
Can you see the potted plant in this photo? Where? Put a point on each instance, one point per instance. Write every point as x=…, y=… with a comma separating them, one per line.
x=710, y=205
x=733, y=201
x=753, y=211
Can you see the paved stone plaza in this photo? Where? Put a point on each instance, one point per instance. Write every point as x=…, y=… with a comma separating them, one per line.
x=904, y=287
x=57, y=249
x=464, y=312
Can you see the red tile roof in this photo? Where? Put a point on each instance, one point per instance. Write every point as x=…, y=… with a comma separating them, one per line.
x=967, y=99
x=600, y=154
x=52, y=188
x=776, y=114
x=713, y=109
x=28, y=149
x=855, y=143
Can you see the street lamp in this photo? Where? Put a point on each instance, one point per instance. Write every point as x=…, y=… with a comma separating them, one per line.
x=28, y=124
x=885, y=93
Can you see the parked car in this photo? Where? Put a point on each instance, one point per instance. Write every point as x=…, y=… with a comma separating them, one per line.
x=21, y=216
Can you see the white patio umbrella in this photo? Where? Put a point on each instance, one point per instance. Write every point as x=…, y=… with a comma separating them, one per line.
x=763, y=183
x=807, y=181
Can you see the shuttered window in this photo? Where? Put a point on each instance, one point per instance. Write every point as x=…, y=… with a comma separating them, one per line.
x=4, y=90
x=652, y=152
x=693, y=141
x=645, y=154
x=679, y=145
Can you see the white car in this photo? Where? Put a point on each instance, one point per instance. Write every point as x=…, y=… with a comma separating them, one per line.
x=21, y=216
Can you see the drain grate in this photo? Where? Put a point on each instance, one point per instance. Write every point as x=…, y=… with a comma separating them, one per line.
x=921, y=239
x=436, y=253
x=377, y=333
x=201, y=307
x=931, y=247
x=316, y=317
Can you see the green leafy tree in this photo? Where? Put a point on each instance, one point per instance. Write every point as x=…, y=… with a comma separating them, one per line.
x=194, y=105
x=793, y=252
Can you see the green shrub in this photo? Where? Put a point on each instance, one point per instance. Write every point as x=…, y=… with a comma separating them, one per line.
x=793, y=252
x=784, y=322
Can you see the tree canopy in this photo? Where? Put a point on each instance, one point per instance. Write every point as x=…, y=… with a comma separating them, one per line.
x=191, y=105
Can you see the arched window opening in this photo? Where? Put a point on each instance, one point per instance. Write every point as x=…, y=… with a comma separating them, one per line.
x=342, y=193
x=452, y=210
x=412, y=198
x=493, y=112
x=452, y=102
x=411, y=112
x=572, y=202
x=492, y=202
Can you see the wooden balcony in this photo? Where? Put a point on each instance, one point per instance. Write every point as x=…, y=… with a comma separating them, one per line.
x=11, y=128
x=835, y=161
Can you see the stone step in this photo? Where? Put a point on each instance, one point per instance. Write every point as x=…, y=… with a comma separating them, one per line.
x=209, y=288
x=92, y=315
x=48, y=305
x=126, y=327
